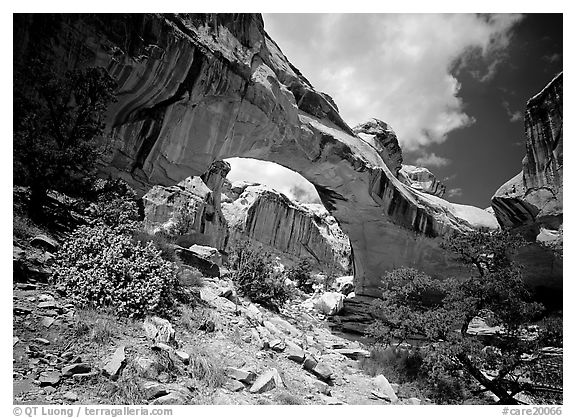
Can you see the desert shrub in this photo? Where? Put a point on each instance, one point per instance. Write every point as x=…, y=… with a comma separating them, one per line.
x=116, y=203
x=198, y=319
x=101, y=268
x=207, y=368
x=98, y=327
x=127, y=390
x=285, y=398
x=398, y=364
x=190, y=277
x=161, y=242
x=300, y=275
x=439, y=313
x=256, y=278
x=551, y=331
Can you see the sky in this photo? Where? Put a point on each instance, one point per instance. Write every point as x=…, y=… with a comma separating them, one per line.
x=452, y=86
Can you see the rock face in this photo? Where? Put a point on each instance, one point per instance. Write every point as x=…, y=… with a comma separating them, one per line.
x=196, y=88
x=384, y=140
x=534, y=198
x=192, y=212
x=531, y=203
x=420, y=178
x=299, y=231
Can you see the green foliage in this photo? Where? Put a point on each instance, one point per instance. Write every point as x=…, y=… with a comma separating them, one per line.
x=56, y=123
x=300, y=275
x=551, y=332
x=160, y=241
x=256, y=278
x=439, y=313
x=116, y=203
x=101, y=268
x=397, y=364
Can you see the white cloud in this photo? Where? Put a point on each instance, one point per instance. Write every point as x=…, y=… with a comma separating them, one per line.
x=432, y=160
x=275, y=176
x=514, y=116
x=395, y=67
x=457, y=191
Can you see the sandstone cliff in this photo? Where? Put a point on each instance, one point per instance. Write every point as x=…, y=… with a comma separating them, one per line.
x=209, y=210
x=531, y=203
x=193, y=89
x=295, y=230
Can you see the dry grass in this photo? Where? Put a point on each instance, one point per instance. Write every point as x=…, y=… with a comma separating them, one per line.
x=398, y=365
x=127, y=390
x=99, y=327
x=285, y=398
x=191, y=277
x=198, y=319
x=206, y=368
x=24, y=228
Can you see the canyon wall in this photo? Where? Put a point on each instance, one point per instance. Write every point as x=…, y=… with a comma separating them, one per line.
x=209, y=210
x=196, y=88
x=531, y=203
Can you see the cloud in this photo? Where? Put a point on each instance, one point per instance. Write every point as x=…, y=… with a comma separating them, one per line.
x=552, y=58
x=448, y=178
x=275, y=176
x=432, y=160
x=400, y=68
x=457, y=191
x=514, y=116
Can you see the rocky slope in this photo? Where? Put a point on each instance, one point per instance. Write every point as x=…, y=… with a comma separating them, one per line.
x=195, y=88
x=531, y=203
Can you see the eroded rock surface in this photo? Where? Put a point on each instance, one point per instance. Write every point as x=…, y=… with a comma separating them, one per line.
x=531, y=203
x=195, y=88
x=420, y=178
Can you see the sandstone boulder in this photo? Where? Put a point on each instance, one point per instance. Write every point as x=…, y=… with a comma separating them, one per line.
x=267, y=381
x=159, y=330
x=330, y=303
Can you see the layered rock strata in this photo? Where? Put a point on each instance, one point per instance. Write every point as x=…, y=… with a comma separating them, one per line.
x=196, y=88
x=232, y=212
x=298, y=231
x=531, y=203
x=420, y=178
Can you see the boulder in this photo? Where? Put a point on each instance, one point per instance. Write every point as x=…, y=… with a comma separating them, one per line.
x=114, y=365
x=208, y=253
x=353, y=353
x=159, y=330
x=153, y=390
x=330, y=303
x=244, y=376
x=191, y=258
x=322, y=371
x=45, y=242
x=294, y=352
x=383, y=389
x=49, y=378
x=267, y=381
x=70, y=396
x=78, y=368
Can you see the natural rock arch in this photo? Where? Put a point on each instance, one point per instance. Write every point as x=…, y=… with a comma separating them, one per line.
x=198, y=88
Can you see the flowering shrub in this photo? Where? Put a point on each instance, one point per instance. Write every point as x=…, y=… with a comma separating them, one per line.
x=101, y=268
